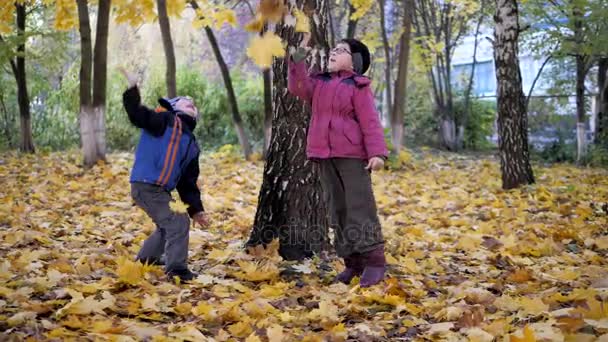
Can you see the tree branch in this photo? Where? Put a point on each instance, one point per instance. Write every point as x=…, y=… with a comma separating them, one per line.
x=536, y=79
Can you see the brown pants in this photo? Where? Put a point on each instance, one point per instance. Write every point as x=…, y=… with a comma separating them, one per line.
x=352, y=206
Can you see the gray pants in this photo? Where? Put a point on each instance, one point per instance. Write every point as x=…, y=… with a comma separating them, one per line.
x=172, y=229
x=352, y=206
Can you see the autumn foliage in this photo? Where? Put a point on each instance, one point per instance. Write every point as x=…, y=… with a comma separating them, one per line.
x=468, y=261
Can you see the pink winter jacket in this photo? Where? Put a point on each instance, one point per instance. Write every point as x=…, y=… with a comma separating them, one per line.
x=344, y=122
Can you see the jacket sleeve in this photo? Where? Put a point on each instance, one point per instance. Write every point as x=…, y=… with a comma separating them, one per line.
x=141, y=116
x=299, y=82
x=369, y=120
x=188, y=188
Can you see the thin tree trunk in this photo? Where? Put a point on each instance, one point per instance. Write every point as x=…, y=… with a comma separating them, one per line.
x=236, y=116
x=165, y=30
x=601, y=131
x=512, y=119
x=536, y=80
x=398, y=113
x=100, y=76
x=27, y=141
x=87, y=116
x=467, y=94
x=581, y=138
x=352, y=24
x=387, y=56
x=291, y=204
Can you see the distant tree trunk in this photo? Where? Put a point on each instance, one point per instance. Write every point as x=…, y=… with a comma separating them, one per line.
x=100, y=76
x=352, y=24
x=601, y=131
x=581, y=138
x=291, y=204
x=27, y=141
x=512, y=119
x=398, y=112
x=165, y=30
x=237, y=121
x=387, y=56
x=92, y=107
x=467, y=93
x=236, y=116
x=581, y=74
x=87, y=116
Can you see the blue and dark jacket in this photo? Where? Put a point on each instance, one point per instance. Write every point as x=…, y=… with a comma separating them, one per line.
x=167, y=153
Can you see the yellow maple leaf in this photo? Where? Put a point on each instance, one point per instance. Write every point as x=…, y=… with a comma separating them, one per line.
x=528, y=336
x=302, y=21
x=224, y=16
x=262, y=49
x=253, y=338
x=130, y=272
x=275, y=333
x=79, y=305
x=256, y=25
x=272, y=10
x=240, y=329
x=257, y=271
x=204, y=310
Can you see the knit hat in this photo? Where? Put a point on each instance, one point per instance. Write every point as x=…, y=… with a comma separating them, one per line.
x=360, y=53
x=168, y=104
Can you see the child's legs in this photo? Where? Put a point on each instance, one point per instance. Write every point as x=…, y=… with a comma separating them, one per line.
x=333, y=188
x=361, y=230
x=173, y=227
x=154, y=246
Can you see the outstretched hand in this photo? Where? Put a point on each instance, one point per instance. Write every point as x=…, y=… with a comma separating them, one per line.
x=131, y=78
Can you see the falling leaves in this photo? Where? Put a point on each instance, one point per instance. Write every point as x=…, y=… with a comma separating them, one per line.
x=264, y=48
x=302, y=21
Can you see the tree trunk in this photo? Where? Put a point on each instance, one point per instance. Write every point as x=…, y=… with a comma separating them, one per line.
x=236, y=116
x=27, y=141
x=165, y=30
x=100, y=76
x=398, y=112
x=352, y=24
x=512, y=119
x=267, y=110
x=448, y=130
x=291, y=204
x=87, y=116
x=467, y=93
x=387, y=56
x=581, y=139
x=601, y=128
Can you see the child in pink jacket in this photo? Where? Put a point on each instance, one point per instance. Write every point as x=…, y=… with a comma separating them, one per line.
x=346, y=138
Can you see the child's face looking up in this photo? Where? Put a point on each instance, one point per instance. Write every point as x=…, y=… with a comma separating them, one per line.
x=340, y=58
x=186, y=105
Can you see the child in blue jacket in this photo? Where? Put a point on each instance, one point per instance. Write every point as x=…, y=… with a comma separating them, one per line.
x=166, y=159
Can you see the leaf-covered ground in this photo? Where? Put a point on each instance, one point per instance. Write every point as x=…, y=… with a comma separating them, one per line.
x=468, y=261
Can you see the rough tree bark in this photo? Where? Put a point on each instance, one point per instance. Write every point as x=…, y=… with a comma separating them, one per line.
x=512, y=119
x=100, y=76
x=291, y=205
x=352, y=24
